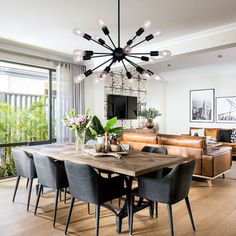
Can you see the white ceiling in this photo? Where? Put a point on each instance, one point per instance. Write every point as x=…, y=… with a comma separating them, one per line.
x=48, y=24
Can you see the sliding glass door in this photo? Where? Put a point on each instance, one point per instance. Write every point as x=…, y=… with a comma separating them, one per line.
x=27, y=105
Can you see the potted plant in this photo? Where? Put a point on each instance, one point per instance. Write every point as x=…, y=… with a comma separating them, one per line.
x=78, y=124
x=102, y=133
x=150, y=114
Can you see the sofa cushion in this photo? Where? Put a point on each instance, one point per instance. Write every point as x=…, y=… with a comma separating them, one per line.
x=225, y=135
x=139, y=137
x=197, y=132
x=181, y=141
x=233, y=136
x=212, y=132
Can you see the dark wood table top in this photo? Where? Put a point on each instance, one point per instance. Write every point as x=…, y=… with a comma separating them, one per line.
x=132, y=164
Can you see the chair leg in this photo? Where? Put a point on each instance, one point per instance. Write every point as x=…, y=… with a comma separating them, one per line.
x=65, y=189
x=16, y=187
x=55, y=206
x=119, y=202
x=29, y=195
x=69, y=214
x=151, y=208
x=156, y=206
x=131, y=216
x=27, y=183
x=190, y=212
x=223, y=175
x=60, y=195
x=88, y=207
x=37, y=202
x=97, y=219
x=170, y=217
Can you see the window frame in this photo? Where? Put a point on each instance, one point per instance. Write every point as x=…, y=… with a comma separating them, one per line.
x=50, y=115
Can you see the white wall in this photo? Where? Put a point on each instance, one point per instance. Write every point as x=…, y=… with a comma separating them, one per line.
x=94, y=96
x=220, y=76
x=156, y=97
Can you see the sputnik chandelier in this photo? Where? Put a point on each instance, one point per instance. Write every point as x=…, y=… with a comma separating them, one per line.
x=117, y=53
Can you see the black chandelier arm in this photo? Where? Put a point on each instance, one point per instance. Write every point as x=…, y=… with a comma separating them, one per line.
x=103, y=45
x=124, y=66
x=102, y=64
x=118, y=23
x=101, y=56
x=143, y=58
x=138, y=53
x=135, y=45
x=132, y=63
x=111, y=40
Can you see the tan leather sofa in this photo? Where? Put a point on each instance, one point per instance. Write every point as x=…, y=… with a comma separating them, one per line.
x=213, y=133
x=208, y=165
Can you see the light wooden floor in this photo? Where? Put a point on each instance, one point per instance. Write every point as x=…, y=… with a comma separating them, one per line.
x=214, y=211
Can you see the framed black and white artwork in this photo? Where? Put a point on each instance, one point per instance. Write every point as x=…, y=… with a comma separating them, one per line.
x=226, y=109
x=202, y=105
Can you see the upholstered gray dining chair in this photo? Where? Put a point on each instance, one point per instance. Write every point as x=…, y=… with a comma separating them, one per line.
x=24, y=168
x=87, y=185
x=159, y=173
x=170, y=189
x=51, y=174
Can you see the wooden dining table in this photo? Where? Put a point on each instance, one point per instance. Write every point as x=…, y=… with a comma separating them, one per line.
x=131, y=165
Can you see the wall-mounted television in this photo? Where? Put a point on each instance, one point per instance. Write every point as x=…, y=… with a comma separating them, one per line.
x=123, y=107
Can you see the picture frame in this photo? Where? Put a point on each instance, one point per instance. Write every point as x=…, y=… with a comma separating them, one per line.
x=202, y=105
x=226, y=109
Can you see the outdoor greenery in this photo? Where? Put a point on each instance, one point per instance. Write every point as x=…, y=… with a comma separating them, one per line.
x=21, y=125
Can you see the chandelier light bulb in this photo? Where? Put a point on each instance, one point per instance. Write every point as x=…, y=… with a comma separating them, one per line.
x=78, y=59
x=101, y=22
x=104, y=75
x=79, y=78
x=78, y=32
x=156, y=77
x=147, y=24
x=127, y=49
x=165, y=53
x=157, y=33
x=78, y=53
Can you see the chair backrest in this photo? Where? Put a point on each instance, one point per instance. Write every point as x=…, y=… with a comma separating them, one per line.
x=50, y=173
x=24, y=164
x=92, y=142
x=180, y=180
x=83, y=182
x=147, y=149
x=159, y=150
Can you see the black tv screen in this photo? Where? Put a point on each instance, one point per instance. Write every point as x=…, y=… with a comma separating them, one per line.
x=123, y=107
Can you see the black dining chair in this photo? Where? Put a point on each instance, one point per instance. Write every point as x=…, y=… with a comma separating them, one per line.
x=51, y=174
x=24, y=168
x=169, y=190
x=87, y=185
x=156, y=174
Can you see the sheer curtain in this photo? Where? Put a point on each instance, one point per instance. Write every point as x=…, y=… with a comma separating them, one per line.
x=69, y=95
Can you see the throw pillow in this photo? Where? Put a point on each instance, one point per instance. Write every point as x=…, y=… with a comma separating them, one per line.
x=197, y=132
x=233, y=136
x=225, y=135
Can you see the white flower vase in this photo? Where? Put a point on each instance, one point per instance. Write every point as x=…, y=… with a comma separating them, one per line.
x=101, y=139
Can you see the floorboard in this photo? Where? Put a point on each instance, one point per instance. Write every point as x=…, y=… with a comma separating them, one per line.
x=214, y=212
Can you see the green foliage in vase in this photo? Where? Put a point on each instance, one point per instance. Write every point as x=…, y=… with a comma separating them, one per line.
x=150, y=113
x=97, y=129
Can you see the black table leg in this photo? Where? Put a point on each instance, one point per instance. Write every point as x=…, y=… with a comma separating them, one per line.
x=125, y=211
